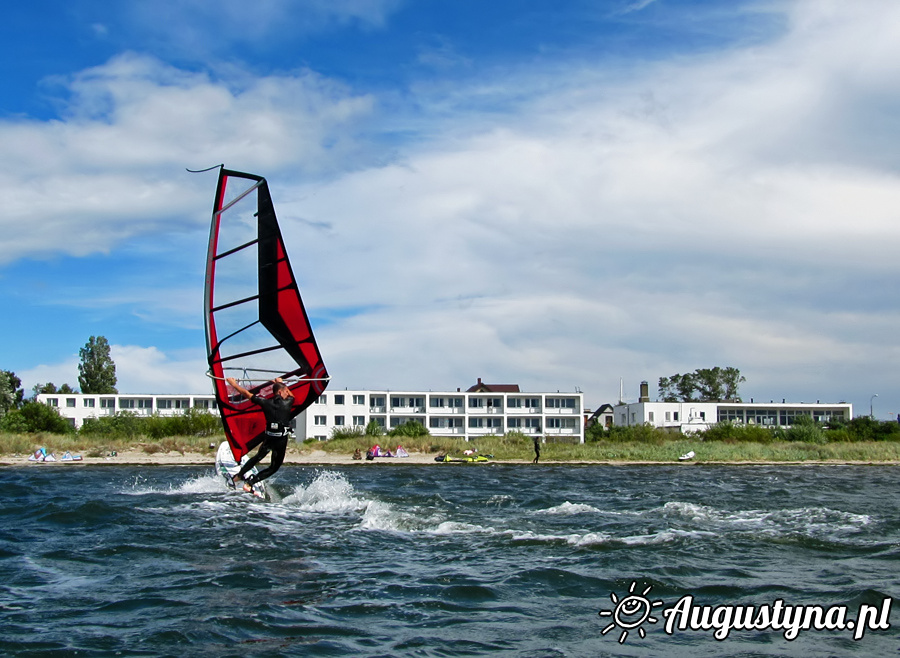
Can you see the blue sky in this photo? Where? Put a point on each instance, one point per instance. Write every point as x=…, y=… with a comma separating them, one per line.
x=555, y=194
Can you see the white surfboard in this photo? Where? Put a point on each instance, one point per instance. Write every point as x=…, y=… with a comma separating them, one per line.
x=227, y=468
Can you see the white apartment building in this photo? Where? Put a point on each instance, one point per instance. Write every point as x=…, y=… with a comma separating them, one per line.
x=698, y=416
x=463, y=414
x=76, y=407
x=467, y=414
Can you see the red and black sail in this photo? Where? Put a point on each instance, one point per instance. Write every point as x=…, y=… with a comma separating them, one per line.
x=257, y=328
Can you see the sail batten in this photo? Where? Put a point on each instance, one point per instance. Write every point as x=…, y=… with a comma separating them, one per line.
x=253, y=300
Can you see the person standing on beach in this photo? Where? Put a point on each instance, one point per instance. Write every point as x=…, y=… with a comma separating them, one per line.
x=278, y=412
x=537, y=449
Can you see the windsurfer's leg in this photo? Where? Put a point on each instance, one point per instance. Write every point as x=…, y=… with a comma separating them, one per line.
x=278, y=450
x=253, y=461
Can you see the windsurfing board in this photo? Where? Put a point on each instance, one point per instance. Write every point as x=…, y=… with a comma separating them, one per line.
x=227, y=468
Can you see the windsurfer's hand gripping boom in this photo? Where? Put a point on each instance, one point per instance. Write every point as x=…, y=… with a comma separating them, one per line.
x=278, y=387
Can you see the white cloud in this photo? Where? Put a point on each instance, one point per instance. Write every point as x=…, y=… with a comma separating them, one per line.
x=115, y=167
x=138, y=370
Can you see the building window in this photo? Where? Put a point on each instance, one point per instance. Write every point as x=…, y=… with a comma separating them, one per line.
x=561, y=423
x=376, y=401
x=475, y=423
x=145, y=403
x=339, y=399
x=70, y=402
x=650, y=416
x=127, y=403
x=514, y=403
x=476, y=403
x=675, y=416
x=561, y=403
x=107, y=403
x=668, y=416
x=359, y=421
x=359, y=399
x=436, y=403
x=201, y=404
x=339, y=421
x=52, y=402
x=320, y=420
x=164, y=404
x=533, y=423
x=89, y=402
x=322, y=399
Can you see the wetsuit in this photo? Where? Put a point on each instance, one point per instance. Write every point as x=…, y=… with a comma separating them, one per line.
x=278, y=412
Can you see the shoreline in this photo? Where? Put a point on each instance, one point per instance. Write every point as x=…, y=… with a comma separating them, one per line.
x=322, y=458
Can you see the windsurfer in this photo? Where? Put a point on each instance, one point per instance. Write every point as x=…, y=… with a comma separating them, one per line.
x=278, y=412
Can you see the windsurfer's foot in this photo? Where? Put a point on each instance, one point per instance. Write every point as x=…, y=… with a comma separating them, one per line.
x=248, y=488
x=236, y=478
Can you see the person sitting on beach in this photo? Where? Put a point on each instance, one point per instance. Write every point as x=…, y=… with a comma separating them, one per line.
x=278, y=411
x=357, y=454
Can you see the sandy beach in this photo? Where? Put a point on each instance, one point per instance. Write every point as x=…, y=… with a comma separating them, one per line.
x=322, y=458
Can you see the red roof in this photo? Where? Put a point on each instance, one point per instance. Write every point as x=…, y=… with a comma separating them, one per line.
x=481, y=387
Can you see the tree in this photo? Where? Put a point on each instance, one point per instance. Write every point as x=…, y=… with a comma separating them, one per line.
x=97, y=370
x=16, y=385
x=49, y=387
x=702, y=385
x=7, y=394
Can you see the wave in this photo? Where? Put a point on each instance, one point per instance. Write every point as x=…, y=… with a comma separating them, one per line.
x=568, y=508
x=798, y=518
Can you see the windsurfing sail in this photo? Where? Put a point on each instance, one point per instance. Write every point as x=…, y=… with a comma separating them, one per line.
x=257, y=328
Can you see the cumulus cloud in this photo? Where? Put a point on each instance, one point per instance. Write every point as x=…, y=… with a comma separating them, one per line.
x=114, y=168
x=139, y=369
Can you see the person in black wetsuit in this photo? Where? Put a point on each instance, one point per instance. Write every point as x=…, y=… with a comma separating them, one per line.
x=278, y=412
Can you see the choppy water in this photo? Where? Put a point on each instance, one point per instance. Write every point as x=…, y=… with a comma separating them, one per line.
x=438, y=560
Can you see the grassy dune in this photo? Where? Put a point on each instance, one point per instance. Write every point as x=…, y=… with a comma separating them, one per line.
x=502, y=448
x=662, y=451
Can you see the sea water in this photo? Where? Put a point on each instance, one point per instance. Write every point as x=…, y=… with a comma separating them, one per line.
x=389, y=559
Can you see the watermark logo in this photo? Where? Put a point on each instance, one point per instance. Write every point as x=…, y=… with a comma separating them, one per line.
x=630, y=612
x=633, y=610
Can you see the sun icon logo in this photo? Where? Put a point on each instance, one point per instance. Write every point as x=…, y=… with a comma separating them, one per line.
x=630, y=612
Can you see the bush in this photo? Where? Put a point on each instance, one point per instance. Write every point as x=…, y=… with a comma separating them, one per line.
x=126, y=425
x=730, y=432
x=347, y=432
x=645, y=433
x=805, y=430
x=410, y=428
x=864, y=428
x=35, y=417
x=374, y=429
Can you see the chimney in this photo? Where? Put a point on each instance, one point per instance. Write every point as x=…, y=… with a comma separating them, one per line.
x=645, y=392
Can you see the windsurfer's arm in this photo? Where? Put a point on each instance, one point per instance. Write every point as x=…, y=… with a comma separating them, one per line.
x=240, y=389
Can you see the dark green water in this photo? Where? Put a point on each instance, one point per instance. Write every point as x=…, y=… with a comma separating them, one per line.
x=439, y=560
